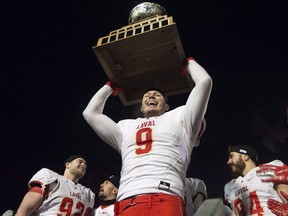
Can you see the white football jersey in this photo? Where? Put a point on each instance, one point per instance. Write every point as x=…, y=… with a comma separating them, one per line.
x=155, y=151
x=162, y=146
x=248, y=195
x=64, y=197
x=103, y=211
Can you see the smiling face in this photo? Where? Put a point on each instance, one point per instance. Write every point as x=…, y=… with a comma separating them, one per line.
x=75, y=169
x=236, y=163
x=153, y=104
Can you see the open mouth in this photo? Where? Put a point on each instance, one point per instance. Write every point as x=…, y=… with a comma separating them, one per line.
x=152, y=103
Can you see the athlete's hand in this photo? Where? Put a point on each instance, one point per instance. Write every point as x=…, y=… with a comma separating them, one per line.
x=184, y=70
x=278, y=208
x=275, y=174
x=116, y=89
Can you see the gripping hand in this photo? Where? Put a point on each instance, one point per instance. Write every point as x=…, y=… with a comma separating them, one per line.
x=184, y=70
x=116, y=89
x=275, y=174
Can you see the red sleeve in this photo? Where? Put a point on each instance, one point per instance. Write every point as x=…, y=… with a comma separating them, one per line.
x=37, y=188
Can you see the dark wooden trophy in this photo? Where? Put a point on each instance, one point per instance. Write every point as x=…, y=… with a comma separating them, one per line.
x=146, y=53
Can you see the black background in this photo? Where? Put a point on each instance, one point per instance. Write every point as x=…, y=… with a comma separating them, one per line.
x=49, y=73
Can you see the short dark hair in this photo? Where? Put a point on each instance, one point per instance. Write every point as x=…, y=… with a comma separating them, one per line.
x=73, y=157
x=68, y=160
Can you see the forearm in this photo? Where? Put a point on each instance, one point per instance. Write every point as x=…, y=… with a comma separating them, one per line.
x=29, y=204
x=197, y=72
x=105, y=127
x=97, y=102
x=280, y=189
x=233, y=213
x=197, y=102
x=198, y=200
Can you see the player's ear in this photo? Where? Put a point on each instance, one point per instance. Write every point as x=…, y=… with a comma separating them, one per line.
x=66, y=164
x=115, y=191
x=166, y=107
x=245, y=157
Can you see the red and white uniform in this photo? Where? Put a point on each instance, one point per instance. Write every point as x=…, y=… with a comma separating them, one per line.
x=103, y=210
x=154, y=149
x=194, y=186
x=64, y=197
x=248, y=195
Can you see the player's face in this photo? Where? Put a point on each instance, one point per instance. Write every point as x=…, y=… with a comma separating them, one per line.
x=78, y=167
x=236, y=164
x=153, y=104
x=107, y=191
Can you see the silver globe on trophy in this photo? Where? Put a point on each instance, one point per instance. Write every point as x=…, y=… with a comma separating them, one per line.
x=146, y=53
x=144, y=11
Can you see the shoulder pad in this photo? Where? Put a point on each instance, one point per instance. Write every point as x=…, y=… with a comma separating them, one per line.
x=44, y=177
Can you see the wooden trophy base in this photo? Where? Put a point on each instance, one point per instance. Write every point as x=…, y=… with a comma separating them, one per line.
x=143, y=55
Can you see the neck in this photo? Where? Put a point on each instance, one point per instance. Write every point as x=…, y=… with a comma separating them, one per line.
x=107, y=202
x=71, y=177
x=152, y=114
x=249, y=166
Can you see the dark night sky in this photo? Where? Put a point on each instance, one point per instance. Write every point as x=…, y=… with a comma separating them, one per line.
x=50, y=72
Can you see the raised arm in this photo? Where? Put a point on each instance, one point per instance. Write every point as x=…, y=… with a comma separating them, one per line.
x=197, y=102
x=105, y=127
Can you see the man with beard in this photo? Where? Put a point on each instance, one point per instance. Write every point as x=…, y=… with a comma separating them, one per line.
x=107, y=194
x=246, y=193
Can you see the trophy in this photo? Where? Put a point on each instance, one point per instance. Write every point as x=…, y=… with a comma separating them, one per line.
x=146, y=53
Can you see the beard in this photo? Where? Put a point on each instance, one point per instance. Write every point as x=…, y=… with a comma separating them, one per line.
x=152, y=113
x=101, y=195
x=239, y=167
